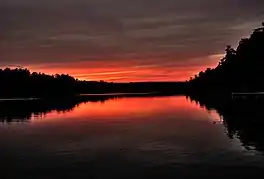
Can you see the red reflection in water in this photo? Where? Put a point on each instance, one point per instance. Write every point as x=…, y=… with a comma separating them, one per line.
x=125, y=109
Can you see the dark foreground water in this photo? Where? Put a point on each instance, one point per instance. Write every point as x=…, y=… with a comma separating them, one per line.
x=146, y=137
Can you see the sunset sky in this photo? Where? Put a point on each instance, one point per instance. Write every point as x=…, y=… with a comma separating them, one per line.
x=123, y=40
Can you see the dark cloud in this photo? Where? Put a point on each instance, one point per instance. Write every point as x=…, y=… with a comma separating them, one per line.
x=171, y=31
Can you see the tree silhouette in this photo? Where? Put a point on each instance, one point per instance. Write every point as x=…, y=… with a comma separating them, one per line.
x=20, y=82
x=239, y=70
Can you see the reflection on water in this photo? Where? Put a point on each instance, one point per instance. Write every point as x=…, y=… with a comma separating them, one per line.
x=243, y=119
x=24, y=110
x=137, y=137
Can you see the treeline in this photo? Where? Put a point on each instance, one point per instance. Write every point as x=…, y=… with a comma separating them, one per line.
x=21, y=82
x=241, y=70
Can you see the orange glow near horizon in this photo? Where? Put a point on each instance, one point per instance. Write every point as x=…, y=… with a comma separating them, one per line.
x=127, y=71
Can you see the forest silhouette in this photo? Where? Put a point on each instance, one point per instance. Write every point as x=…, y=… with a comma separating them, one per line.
x=21, y=82
x=241, y=70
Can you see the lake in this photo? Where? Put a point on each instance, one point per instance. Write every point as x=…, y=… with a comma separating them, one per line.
x=135, y=137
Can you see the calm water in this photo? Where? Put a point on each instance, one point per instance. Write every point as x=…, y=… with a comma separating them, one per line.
x=146, y=137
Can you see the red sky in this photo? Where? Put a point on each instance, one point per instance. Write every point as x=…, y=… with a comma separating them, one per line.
x=128, y=71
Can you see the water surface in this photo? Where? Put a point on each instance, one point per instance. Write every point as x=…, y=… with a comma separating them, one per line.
x=137, y=137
